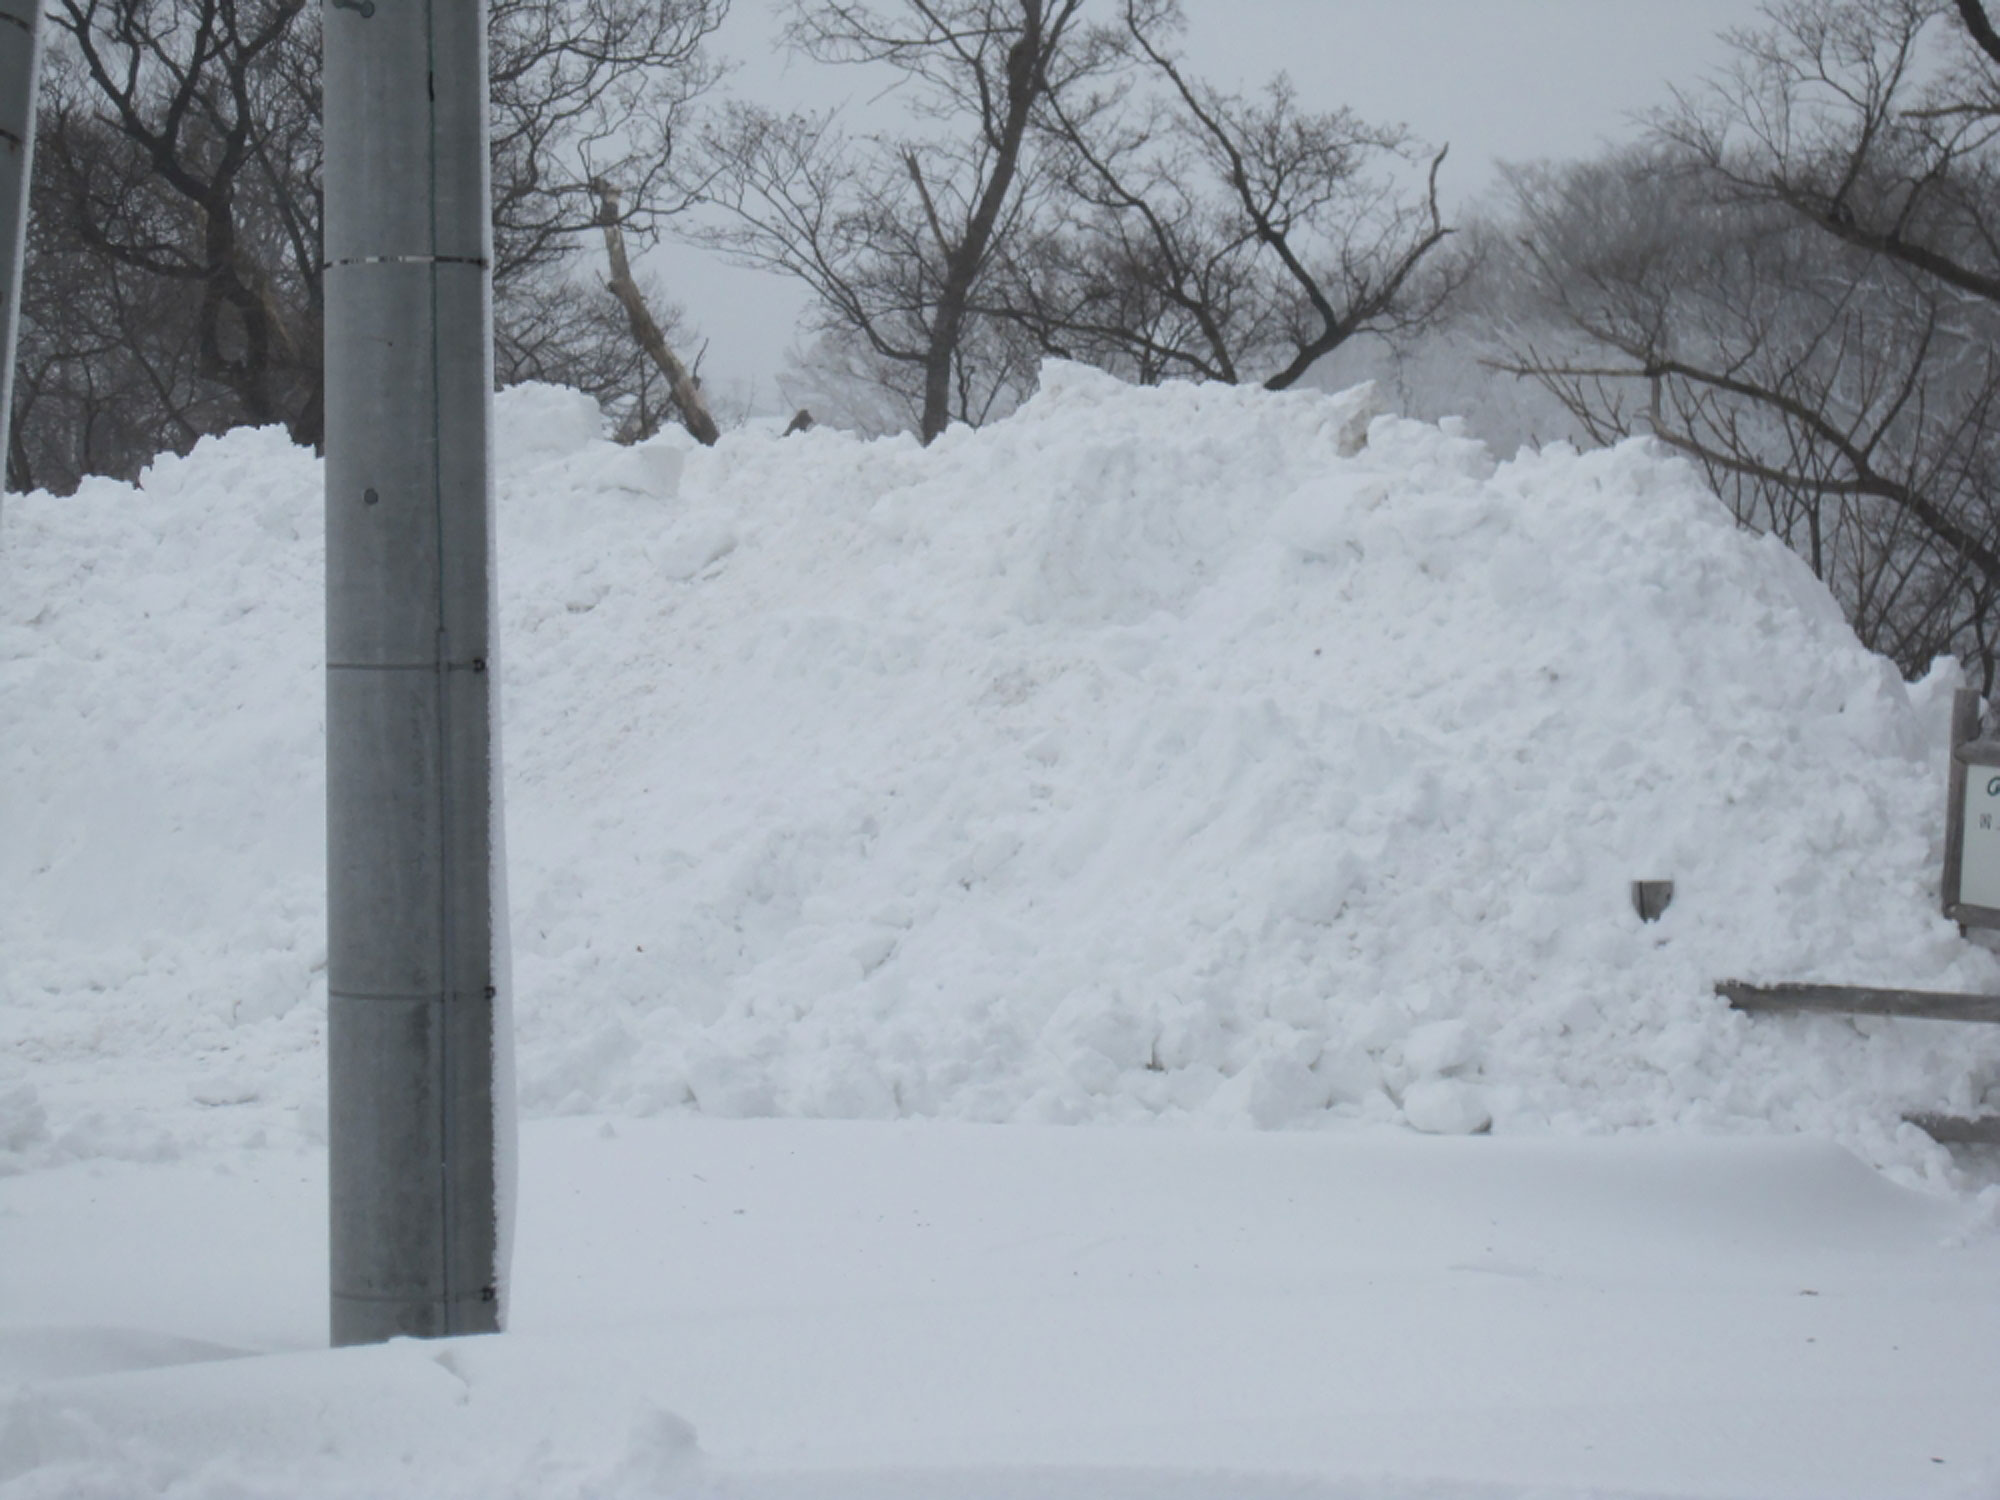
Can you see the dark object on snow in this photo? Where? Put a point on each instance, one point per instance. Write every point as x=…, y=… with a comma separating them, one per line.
x=801, y=422
x=1958, y=1130
x=1651, y=897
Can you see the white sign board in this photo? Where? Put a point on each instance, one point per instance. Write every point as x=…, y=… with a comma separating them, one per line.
x=1979, y=875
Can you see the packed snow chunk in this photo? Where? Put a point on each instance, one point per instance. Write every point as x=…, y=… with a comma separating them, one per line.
x=1445, y=1106
x=1438, y=1047
x=695, y=545
x=652, y=468
x=534, y=423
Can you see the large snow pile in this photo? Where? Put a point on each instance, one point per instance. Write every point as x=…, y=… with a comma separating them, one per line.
x=1193, y=754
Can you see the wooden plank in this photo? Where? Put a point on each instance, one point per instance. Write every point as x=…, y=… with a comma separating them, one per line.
x=1957, y=1130
x=1860, y=1000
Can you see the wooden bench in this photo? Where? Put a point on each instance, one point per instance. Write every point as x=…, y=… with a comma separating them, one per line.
x=1864, y=1000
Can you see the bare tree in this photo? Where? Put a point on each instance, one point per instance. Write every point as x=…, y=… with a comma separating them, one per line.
x=684, y=390
x=1840, y=400
x=897, y=236
x=1209, y=234
x=185, y=83
x=181, y=158
x=1800, y=287
x=583, y=91
x=111, y=360
x=1844, y=113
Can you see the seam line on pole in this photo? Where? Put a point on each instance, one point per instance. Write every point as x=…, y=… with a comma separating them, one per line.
x=473, y=664
x=409, y=997
x=405, y=260
x=448, y=814
x=418, y=1299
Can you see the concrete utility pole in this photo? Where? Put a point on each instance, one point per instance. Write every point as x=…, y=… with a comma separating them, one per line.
x=416, y=943
x=19, y=53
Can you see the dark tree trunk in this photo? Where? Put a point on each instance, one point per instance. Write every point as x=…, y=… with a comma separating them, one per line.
x=1027, y=65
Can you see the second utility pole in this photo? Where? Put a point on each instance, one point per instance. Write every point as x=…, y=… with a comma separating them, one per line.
x=19, y=55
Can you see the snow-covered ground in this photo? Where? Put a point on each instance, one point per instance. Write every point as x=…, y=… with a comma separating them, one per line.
x=1192, y=757
x=806, y=1310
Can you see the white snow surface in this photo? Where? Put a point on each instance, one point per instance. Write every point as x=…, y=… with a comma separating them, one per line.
x=834, y=1310
x=1193, y=755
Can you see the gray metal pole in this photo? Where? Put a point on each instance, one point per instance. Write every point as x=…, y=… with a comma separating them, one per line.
x=19, y=54
x=416, y=935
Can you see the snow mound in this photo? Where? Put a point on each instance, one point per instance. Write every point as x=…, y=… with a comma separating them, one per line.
x=1185, y=754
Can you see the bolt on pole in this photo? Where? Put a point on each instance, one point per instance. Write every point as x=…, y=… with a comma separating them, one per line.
x=19, y=55
x=416, y=944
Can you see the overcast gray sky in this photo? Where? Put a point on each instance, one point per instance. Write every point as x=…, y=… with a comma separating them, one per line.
x=1501, y=80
